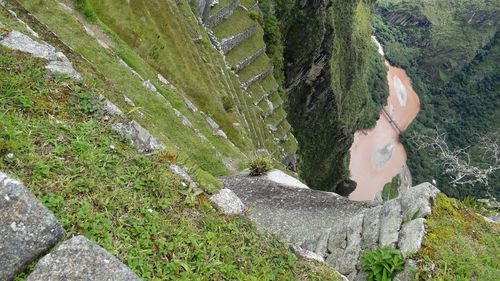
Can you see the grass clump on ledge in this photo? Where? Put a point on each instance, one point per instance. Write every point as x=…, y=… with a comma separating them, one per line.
x=382, y=264
x=260, y=165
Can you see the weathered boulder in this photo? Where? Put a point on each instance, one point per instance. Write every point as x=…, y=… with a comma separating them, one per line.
x=80, y=259
x=27, y=228
x=411, y=236
x=417, y=201
x=228, y=202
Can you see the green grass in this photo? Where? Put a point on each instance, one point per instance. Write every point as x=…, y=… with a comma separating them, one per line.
x=97, y=185
x=236, y=24
x=459, y=244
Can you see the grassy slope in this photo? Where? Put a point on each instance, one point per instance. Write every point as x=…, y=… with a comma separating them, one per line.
x=99, y=186
x=459, y=245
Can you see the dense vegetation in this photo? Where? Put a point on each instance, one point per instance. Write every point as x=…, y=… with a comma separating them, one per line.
x=451, y=50
x=54, y=139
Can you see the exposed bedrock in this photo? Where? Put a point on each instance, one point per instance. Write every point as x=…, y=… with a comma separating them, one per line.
x=332, y=226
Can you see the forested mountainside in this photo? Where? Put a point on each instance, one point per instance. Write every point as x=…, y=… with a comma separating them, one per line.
x=334, y=79
x=451, y=51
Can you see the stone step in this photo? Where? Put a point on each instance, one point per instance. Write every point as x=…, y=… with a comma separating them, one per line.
x=229, y=43
x=334, y=227
x=221, y=15
x=27, y=228
x=247, y=61
x=257, y=77
x=81, y=259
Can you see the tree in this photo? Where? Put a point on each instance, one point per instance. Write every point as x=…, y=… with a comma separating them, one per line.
x=457, y=163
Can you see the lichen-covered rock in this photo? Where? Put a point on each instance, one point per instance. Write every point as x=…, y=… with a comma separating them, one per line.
x=27, y=228
x=80, y=259
x=417, y=201
x=228, y=202
x=411, y=236
x=390, y=223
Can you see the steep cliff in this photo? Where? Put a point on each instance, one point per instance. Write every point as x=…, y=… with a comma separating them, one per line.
x=329, y=65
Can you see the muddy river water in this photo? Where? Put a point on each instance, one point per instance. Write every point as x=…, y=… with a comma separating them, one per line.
x=377, y=154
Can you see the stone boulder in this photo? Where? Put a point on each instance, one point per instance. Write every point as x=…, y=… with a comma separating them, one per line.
x=411, y=236
x=80, y=259
x=228, y=202
x=142, y=140
x=417, y=201
x=27, y=228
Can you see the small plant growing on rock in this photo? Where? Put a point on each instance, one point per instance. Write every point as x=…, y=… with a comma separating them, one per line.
x=260, y=165
x=382, y=264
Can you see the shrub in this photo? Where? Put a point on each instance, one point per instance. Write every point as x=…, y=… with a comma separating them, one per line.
x=260, y=165
x=382, y=264
x=254, y=15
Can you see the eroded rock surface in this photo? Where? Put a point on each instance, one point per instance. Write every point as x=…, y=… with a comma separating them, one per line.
x=80, y=259
x=27, y=228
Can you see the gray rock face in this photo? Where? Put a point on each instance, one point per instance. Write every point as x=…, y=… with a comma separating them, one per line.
x=299, y=215
x=228, y=202
x=18, y=41
x=27, y=228
x=140, y=137
x=417, y=201
x=371, y=228
x=411, y=236
x=390, y=223
x=79, y=259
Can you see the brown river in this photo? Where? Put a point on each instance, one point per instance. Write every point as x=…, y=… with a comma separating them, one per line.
x=376, y=154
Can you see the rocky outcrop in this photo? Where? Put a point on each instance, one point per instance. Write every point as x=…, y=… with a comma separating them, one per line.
x=138, y=136
x=406, y=18
x=80, y=259
x=332, y=226
x=27, y=228
x=57, y=61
